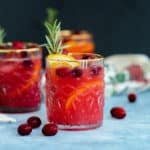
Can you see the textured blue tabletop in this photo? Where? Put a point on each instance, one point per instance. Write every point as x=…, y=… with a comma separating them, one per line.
x=131, y=133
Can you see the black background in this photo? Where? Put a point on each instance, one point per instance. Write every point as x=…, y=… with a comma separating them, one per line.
x=119, y=26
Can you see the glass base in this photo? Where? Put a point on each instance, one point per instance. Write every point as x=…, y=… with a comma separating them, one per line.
x=19, y=110
x=79, y=127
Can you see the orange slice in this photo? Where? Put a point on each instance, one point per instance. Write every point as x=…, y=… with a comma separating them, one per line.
x=33, y=78
x=83, y=88
x=82, y=47
x=61, y=60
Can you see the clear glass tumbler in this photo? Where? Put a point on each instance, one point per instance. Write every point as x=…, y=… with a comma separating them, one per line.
x=75, y=91
x=20, y=75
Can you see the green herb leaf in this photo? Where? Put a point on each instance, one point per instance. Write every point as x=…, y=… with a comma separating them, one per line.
x=2, y=35
x=54, y=43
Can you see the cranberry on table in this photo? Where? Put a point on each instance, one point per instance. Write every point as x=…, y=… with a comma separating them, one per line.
x=24, y=129
x=50, y=129
x=118, y=112
x=132, y=97
x=34, y=121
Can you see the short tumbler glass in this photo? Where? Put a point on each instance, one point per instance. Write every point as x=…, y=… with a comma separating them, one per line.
x=75, y=91
x=20, y=75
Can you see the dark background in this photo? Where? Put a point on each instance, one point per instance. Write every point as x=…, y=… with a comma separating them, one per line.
x=119, y=26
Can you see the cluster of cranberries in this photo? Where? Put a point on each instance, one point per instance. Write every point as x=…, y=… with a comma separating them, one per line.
x=119, y=112
x=76, y=72
x=49, y=129
x=17, y=45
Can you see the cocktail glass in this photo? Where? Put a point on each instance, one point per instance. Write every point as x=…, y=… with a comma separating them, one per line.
x=75, y=91
x=77, y=41
x=20, y=74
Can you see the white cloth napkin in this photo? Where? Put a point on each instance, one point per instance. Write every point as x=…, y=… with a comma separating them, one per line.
x=119, y=79
x=6, y=119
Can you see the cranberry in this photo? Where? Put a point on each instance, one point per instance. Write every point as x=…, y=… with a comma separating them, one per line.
x=28, y=63
x=18, y=45
x=33, y=46
x=76, y=72
x=24, y=129
x=118, y=112
x=95, y=70
x=2, y=47
x=63, y=71
x=34, y=121
x=24, y=54
x=87, y=56
x=65, y=51
x=76, y=32
x=50, y=129
x=132, y=97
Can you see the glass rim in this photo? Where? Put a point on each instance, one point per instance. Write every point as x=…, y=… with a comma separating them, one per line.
x=8, y=50
x=19, y=50
x=99, y=57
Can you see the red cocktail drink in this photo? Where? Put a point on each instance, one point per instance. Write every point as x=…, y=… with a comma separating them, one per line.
x=20, y=74
x=75, y=90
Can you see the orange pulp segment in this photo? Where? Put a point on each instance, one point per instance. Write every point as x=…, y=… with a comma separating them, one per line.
x=81, y=89
x=34, y=76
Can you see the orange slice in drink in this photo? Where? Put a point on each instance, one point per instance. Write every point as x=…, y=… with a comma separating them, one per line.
x=29, y=77
x=82, y=47
x=62, y=60
x=77, y=95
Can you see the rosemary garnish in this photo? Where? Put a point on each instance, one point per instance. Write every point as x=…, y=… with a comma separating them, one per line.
x=2, y=35
x=52, y=14
x=54, y=43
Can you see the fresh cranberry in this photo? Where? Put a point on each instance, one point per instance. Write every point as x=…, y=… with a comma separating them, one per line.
x=66, y=40
x=24, y=129
x=34, y=121
x=28, y=63
x=77, y=72
x=18, y=45
x=132, y=97
x=33, y=46
x=87, y=56
x=65, y=51
x=95, y=70
x=2, y=47
x=63, y=71
x=24, y=54
x=50, y=129
x=118, y=112
x=76, y=32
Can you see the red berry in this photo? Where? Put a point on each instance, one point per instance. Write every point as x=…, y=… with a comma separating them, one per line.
x=18, y=45
x=63, y=71
x=28, y=63
x=95, y=70
x=65, y=51
x=118, y=112
x=132, y=97
x=50, y=129
x=77, y=72
x=24, y=129
x=34, y=121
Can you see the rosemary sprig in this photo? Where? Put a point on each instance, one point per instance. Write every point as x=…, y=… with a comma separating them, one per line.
x=54, y=43
x=2, y=35
x=52, y=14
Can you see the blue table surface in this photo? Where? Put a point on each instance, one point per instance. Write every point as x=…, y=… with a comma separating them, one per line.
x=131, y=133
